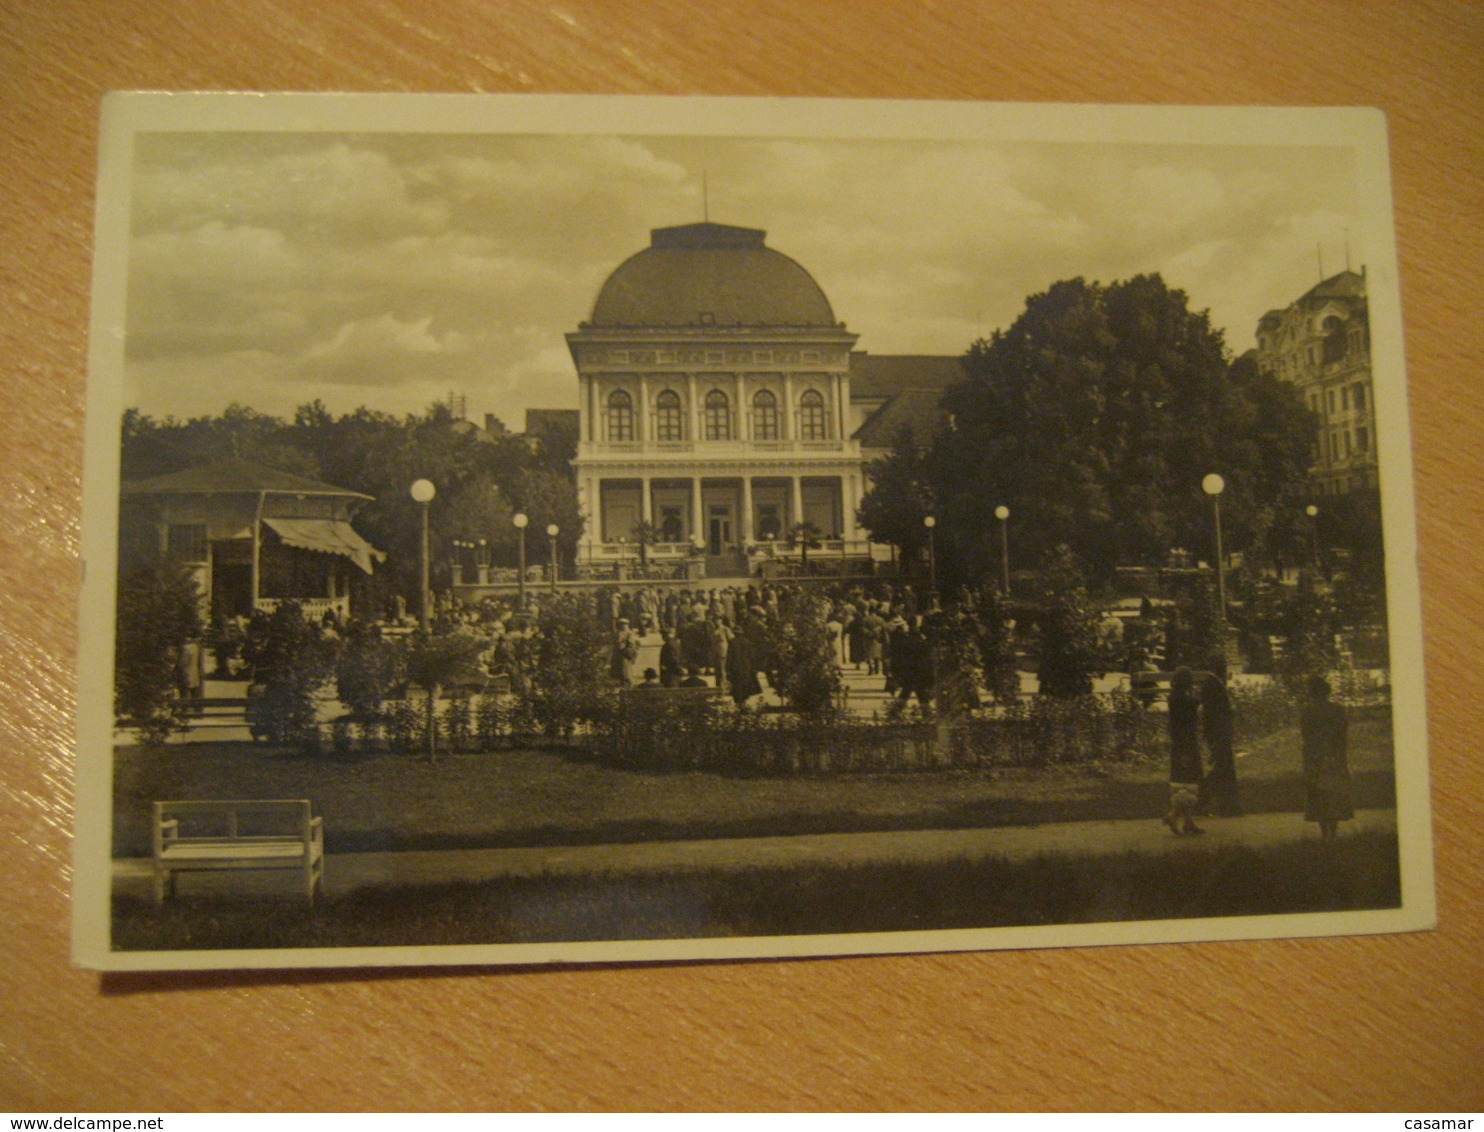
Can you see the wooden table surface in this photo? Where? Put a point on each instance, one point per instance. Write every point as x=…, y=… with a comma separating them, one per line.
x=1392, y=1022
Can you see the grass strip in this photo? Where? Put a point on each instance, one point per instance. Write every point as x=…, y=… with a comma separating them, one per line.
x=1358, y=872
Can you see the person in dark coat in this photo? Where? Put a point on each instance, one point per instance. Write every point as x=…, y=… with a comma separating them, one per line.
x=858, y=638
x=672, y=660
x=741, y=669
x=912, y=666
x=1185, y=753
x=1218, y=794
x=1326, y=760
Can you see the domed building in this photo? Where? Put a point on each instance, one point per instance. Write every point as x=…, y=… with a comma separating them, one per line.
x=716, y=407
x=715, y=382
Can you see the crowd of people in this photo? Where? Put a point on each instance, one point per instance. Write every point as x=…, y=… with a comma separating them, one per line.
x=729, y=638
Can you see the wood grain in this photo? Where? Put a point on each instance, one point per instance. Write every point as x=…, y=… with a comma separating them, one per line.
x=1382, y=1022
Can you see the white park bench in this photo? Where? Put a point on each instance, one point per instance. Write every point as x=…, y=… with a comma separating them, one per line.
x=203, y=836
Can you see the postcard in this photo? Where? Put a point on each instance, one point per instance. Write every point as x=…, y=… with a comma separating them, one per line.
x=586, y=529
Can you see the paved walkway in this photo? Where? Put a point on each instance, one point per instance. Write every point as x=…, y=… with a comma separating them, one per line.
x=346, y=872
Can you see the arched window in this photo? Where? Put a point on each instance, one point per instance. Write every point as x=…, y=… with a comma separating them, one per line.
x=764, y=416
x=811, y=416
x=620, y=416
x=667, y=416
x=718, y=416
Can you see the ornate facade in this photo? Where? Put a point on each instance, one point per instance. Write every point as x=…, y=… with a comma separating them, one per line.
x=715, y=407
x=1321, y=343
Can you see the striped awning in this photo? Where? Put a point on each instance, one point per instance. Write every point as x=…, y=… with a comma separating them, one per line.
x=328, y=536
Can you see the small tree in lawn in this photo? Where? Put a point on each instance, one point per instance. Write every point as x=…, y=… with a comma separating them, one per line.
x=1308, y=624
x=995, y=639
x=1071, y=650
x=571, y=664
x=368, y=669
x=291, y=663
x=433, y=661
x=805, y=654
x=1195, y=630
x=159, y=610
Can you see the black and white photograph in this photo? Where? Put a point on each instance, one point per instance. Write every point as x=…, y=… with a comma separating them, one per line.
x=594, y=529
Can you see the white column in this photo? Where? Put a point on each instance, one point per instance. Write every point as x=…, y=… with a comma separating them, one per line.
x=798, y=500
x=644, y=507
x=697, y=525
x=849, y=501
x=786, y=425
x=746, y=524
x=592, y=408
x=693, y=410
x=744, y=409
x=641, y=421
x=840, y=406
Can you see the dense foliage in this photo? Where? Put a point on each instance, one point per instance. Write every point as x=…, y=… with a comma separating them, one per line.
x=291, y=662
x=159, y=610
x=1071, y=649
x=1094, y=418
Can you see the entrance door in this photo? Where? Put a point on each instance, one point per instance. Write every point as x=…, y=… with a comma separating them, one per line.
x=721, y=531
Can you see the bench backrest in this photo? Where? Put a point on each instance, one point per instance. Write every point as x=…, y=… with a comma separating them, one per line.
x=239, y=818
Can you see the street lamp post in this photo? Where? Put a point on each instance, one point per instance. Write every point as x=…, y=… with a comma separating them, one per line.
x=520, y=520
x=930, y=522
x=1313, y=513
x=422, y=493
x=552, y=530
x=1213, y=485
x=1002, y=513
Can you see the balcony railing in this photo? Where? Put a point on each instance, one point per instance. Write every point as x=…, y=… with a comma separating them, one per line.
x=715, y=449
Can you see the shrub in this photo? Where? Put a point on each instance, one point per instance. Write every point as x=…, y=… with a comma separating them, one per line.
x=995, y=641
x=369, y=670
x=292, y=662
x=570, y=669
x=159, y=610
x=1071, y=648
x=804, y=654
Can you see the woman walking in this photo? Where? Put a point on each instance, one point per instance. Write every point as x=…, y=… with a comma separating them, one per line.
x=1326, y=760
x=1186, y=770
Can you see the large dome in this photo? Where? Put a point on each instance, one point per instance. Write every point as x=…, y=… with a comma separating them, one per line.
x=710, y=274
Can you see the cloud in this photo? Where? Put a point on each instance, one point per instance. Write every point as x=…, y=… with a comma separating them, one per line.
x=394, y=268
x=385, y=351
x=335, y=192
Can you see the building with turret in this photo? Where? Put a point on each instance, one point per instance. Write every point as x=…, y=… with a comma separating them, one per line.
x=1321, y=343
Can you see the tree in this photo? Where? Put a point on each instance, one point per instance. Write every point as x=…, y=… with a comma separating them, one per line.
x=369, y=668
x=805, y=653
x=292, y=662
x=1071, y=649
x=159, y=610
x=571, y=663
x=1094, y=418
x=995, y=639
x=901, y=495
x=435, y=660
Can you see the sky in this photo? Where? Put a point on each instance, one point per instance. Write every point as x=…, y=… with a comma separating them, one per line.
x=390, y=270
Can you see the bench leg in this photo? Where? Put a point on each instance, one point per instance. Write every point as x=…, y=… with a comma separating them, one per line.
x=161, y=878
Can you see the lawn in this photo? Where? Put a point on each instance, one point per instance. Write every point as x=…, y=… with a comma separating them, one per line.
x=1357, y=872
x=511, y=798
